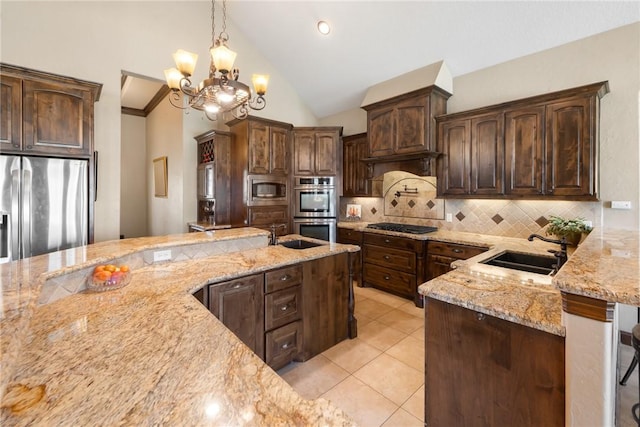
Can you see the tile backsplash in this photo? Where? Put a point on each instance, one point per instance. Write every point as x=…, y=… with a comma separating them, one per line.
x=510, y=218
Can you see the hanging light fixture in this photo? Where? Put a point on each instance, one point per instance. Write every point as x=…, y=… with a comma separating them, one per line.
x=221, y=92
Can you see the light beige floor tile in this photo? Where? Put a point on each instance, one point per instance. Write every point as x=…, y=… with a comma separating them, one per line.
x=401, y=321
x=366, y=406
x=402, y=418
x=363, y=320
x=409, y=351
x=418, y=334
x=371, y=308
x=380, y=336
x=386, y=298
x=410, y=308
x=390, y=377
x=352, y=355
x=627, y=394
x=415, y=404
x=313, y=377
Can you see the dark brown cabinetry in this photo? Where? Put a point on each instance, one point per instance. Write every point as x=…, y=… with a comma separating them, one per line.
x=544, y=146
x=494, y=372
x=214, y=166
x=268, y=148
x=264, y=216
x=239, y=305
x=440, y=255
x=354, y=171
x=317, y=151
x=394, y=264
x=46, y=114
x=405, y=124
x=352, y=237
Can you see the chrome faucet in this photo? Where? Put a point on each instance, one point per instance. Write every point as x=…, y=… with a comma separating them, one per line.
x=561, y=255
x=273, y=238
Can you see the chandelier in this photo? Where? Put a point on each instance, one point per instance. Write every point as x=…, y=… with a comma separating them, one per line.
x=221, y=92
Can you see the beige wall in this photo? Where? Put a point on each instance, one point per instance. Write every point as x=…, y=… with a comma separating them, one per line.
x=133, y=185
x=97, y=40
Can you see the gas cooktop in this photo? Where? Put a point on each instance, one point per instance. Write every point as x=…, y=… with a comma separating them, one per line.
x=402, y=228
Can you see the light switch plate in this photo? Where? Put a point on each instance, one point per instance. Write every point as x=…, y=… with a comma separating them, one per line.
x=449, y=217
x=162, y=255
x=620, y=204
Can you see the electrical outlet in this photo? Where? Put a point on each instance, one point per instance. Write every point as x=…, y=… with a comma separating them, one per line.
x=162, y=255
x=620, y=205
x=449, y=217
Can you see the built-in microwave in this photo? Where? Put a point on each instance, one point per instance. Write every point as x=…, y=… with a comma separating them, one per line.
x=266, y=190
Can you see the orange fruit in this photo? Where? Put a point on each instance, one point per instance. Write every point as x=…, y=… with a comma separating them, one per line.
x=124, y=268
x=101, y=276
x=110, y=267
x=98, y=268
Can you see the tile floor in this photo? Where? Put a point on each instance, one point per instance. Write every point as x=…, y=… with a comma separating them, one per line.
x=378, y=377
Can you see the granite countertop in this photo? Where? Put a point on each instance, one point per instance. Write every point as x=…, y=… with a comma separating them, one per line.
x=206, y=226
x=148, y=353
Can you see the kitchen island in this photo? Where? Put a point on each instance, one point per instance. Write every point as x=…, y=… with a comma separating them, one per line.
x=148, y=353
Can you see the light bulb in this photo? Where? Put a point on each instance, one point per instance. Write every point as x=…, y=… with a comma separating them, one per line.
x=224, y=97
x=212, y=108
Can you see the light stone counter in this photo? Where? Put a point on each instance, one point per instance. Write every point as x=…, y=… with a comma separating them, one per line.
x=149, y=353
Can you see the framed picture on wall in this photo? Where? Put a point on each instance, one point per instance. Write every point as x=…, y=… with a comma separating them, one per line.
x=160, y=176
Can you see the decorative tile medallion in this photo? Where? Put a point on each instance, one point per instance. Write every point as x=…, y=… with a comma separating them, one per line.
x=411, y=203
x=394, y=203
x=430, y=204
x=542, y=221
x=460, y=216
x=497, y=218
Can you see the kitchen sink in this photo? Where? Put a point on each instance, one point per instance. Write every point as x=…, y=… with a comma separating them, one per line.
x=524, y=262
x=299, y=244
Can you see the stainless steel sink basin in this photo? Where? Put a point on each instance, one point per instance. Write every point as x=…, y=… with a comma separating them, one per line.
x=299, y=244
x=524, y=262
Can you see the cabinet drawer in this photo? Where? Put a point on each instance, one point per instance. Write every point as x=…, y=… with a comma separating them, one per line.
x=282, y=307
x=454, y=250
x=392, y=280
x=396, y=259
x=282, y=278
x=283, y=344
x=267, y=215
x=348, y=236
x=394, y=242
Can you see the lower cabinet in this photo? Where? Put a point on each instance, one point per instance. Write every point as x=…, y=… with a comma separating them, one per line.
x=349, y=236
x=264, y=216
x=394, y=264
x=290, y=313
x=239, y=305
x=485, y=371
x=440, y=255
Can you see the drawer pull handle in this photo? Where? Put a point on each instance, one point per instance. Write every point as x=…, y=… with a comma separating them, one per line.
x=480, y=316
x=387, y=257
x=457, y=251
x=387, y=278
x=285, y=346
x=285, y=278
x=237, y=285
x=387, y=241
x=284, y=307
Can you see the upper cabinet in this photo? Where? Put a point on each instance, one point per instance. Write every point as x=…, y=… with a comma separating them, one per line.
x=539, y=147
x=264, y=144
x=354, y=171
x=317, y=151
x=46, y=114
x=405, y=124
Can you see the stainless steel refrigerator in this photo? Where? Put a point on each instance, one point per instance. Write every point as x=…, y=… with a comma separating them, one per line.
x=43, y=206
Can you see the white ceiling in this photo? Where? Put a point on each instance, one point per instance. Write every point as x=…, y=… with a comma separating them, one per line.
x=373, y=41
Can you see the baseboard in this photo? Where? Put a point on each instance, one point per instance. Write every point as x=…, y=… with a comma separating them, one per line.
x=625, y=338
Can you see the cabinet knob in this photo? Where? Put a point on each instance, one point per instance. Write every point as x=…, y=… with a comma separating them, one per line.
x=387, y=257
x=387, y=278
x=29, y=147
x=16, y=145
x=285, y=278
x=237, y=285
x=387, y=241
x=480, y=316
x=284, y=307
x=285, y=346
x=456, y=251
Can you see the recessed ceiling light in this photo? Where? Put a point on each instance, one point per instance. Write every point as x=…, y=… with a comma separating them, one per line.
x=324, y=27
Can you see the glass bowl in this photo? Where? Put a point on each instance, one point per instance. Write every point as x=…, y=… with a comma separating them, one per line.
x=116, y=281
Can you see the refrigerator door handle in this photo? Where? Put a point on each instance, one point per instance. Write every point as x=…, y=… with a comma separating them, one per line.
x=26, y=209
x=14, y=220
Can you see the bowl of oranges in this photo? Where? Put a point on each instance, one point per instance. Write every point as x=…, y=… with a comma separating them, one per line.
x=106, y=277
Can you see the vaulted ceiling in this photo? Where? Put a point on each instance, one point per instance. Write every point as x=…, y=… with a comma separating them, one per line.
x=373, y=41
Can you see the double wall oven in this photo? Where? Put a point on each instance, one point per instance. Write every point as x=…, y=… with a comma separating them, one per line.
x=315, y=207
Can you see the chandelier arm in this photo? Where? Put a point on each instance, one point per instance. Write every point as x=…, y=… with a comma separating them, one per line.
x=176, y=100
x=258, y=103
x=241, y=112
x=213, y=117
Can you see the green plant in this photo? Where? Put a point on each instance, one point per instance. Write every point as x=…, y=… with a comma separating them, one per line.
x=563, y=227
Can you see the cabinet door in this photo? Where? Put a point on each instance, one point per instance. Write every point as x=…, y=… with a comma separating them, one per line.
x=258, y=148
x=354, y=172
x=279, y=157
x=455, y=143
x=410, y=126
x=57, y=119
x=304, y=153
x=326, y=153
x=381, y=131
x=570, y=141
x=524, y=144
x=487, y=147
x=264, y=216
x=438, y=265
x=222, y=147
x=11, y=113
x=239, y=306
